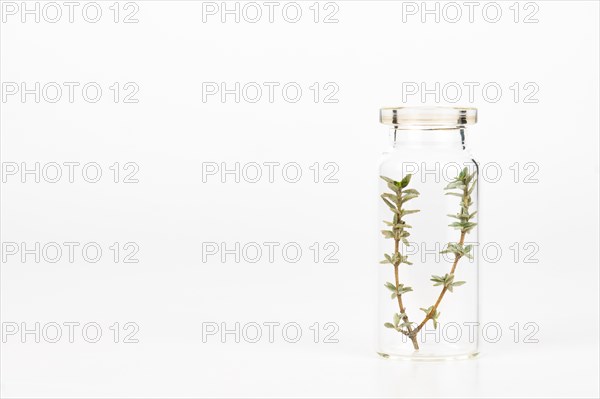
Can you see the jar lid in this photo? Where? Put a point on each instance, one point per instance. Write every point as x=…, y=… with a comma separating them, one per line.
x=428, y=117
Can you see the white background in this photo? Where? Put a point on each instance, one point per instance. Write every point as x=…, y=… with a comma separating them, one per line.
x=170, y=132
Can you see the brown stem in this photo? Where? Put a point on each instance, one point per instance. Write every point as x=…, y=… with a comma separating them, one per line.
x=439, y=300
x=410, y=334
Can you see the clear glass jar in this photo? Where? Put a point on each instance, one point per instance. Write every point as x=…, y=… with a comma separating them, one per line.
x=428, y=276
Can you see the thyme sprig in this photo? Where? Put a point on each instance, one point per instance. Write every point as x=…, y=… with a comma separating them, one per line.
x=396, y=200
x=464, y=185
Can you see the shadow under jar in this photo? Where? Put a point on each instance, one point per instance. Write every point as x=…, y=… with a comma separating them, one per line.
x=428, y=294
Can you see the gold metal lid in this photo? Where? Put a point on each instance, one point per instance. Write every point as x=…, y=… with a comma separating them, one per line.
x=428, y=117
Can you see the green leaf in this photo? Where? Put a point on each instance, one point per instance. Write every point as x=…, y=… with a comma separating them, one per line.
x=404, y=290
x=404, y=259
x=396, y=319
x=388, y=259
x=438, y=280
x=455, y=194
x=428, y=310
x=407, y=197
x=470, y=191
x=463, y=226
x=392, y=197
x=473, y=175
x=387, y=233
x=468, y=226
x=458, y=249
x=451, y=286
x=434, y=316
x=453, y=185
x=447, y=280
x=388, y=203
x=390, y=287
x=408, y=212
x=387, y=179
x=406, y=180
x=388, y=325
x=393, y=187
x=411, y=191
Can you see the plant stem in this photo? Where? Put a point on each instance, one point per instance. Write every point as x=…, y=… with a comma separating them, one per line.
x=439, y=300
x=410, y=334
x=463, y=233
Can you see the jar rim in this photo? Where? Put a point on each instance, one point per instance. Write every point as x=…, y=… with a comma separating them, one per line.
x=428, y=117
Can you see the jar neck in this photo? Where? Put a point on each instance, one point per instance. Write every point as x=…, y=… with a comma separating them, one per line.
x=436, y=138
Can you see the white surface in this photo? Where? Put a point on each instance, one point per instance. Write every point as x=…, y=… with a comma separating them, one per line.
x=170, y=212
x=188, y=370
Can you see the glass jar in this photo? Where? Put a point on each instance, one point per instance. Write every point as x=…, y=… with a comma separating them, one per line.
x=428, y=276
